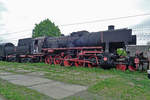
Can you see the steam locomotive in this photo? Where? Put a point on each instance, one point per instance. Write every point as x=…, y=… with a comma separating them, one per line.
x=82, y=48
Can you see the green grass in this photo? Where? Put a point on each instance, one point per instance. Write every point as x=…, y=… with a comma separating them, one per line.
x=110, y=84
x=15, y=92
x=121, y=89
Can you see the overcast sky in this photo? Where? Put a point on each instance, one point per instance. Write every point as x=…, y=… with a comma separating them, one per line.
x=20, y=15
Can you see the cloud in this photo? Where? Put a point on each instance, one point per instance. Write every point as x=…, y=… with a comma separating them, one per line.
x=2, y=9
x=25, y=13
x=146, y=22
x=143, y=5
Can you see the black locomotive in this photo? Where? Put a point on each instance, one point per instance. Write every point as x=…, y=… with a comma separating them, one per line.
x=81, y=48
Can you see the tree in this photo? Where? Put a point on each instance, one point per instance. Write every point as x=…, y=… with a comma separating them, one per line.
x=45, y=28
x=121, y=52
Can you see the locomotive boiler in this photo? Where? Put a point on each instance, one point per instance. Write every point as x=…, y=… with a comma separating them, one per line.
x=63, y=41
x=110, y=39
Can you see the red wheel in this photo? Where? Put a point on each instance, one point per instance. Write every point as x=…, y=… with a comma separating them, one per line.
x=57, y=60
x=121, y=67
x=48, y=59
x=66, y=61
x=131, y=68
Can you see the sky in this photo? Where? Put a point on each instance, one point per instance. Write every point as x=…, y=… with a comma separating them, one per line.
x=18, y=17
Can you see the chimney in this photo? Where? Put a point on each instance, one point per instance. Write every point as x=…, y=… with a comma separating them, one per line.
x=111, y=27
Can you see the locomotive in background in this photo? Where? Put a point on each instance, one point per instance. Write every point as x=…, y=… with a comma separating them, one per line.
x=95, y=49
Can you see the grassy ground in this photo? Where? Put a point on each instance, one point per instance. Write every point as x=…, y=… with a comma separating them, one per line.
x=105, y=84
x=14, y=92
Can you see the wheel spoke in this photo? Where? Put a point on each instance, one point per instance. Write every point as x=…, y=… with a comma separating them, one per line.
x=57, y=60
x=66, y=61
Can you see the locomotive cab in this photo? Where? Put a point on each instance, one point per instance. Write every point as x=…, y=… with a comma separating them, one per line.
x=113, y=46
x=37, y=44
